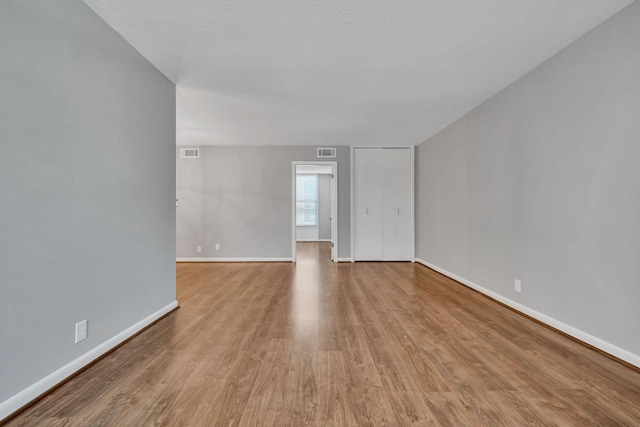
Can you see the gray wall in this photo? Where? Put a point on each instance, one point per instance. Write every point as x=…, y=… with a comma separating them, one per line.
x=241, y=198
x=87, y=164
x=542, y=183
x=324, y=206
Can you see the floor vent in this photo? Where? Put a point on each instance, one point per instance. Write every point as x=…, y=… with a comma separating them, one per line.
x=189, y=153
x=324, y=153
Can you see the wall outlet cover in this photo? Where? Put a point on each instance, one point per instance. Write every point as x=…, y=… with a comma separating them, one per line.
x=517, y=285
x=81, y=331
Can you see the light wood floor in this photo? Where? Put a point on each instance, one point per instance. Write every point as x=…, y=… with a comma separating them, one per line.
x=341, y=344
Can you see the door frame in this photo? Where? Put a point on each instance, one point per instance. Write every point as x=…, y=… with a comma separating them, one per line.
x=334, y=206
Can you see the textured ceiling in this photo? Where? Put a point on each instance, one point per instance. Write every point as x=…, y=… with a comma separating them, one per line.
x=327, y=72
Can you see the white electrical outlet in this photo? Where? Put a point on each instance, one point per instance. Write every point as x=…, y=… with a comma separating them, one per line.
x=517, y=285
x=217, y=246
x=177, y=203
x=81, y=331
x=198, y=248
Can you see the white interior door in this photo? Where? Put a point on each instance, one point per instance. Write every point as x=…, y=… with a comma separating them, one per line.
x=396, y=190
x=368, y=204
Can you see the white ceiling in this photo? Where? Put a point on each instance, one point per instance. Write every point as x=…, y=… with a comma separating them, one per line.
x=328, y=72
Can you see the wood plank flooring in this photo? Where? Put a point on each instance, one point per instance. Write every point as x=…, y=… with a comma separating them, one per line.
x=318, y=343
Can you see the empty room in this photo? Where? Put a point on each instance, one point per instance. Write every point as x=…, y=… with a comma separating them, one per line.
x=319, y=213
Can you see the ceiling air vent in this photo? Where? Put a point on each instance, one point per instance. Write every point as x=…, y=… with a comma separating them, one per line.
x=326, y=153
x=189, y=153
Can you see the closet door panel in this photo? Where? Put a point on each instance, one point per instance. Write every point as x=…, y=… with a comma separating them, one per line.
x=390, y=206
x=396, y=235
x=367, y=205
x=403, y=185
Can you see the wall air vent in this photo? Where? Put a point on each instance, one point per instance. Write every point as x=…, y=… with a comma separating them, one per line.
x=189, y=153
x=324, y=153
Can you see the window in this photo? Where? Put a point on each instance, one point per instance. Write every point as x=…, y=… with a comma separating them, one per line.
x=306, y=200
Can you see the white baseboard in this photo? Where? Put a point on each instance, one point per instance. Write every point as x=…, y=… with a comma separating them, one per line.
x=233, y=260
x=32, y=392
x=313, y=240
x=344, y=259
x=596, y=342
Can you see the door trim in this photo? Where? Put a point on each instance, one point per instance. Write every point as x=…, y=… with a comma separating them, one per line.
x=334, y=206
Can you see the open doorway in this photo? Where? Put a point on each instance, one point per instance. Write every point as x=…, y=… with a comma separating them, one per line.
x=315, y=204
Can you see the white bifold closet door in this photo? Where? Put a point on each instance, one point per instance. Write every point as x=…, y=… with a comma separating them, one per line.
x=368, y=203
x=382, y=204
x=396, y=202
